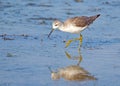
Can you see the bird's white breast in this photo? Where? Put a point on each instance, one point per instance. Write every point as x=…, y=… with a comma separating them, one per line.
x=72, y=29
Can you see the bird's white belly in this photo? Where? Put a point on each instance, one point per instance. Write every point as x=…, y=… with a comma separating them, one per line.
x=73, y=29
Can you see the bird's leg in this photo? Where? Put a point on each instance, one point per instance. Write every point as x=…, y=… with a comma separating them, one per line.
x=80, y=40
x=79, y=60
x=71, y=40
x=68, y=43
x=75, y=39
x=80, y=57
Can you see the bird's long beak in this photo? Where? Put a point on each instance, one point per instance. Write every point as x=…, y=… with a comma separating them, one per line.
x=50, y=33
x=50, y=69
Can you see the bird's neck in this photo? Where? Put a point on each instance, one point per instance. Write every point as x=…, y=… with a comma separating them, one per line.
x=61, y=26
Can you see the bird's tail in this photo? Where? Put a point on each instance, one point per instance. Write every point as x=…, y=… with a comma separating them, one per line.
x=92, y=18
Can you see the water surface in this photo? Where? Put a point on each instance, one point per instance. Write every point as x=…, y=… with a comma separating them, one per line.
x=26, y=52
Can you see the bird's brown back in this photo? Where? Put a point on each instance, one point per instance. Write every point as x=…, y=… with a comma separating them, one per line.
x=81, y=21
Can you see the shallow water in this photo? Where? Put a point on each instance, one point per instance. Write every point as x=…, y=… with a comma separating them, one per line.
x=26, y=52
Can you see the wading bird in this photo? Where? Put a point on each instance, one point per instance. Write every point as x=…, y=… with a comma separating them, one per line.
x=74, y=25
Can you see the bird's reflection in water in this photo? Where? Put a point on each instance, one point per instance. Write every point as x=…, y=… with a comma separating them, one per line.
x=79, y=57
x=72, y=72
x=78, y=0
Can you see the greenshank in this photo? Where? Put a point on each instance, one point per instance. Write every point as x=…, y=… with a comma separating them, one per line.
x=74, y=25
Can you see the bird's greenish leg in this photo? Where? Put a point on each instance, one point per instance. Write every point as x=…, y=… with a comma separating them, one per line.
x=69, y=41
x=75, y=39
x=80, y=42
x=79, y=60
x=81, y=39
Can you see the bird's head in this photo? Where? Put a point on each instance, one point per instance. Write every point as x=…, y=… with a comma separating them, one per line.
x=55, y=75
x=55, y=25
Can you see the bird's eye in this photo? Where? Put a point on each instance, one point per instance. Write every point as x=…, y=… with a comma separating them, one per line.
x=55, y=24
